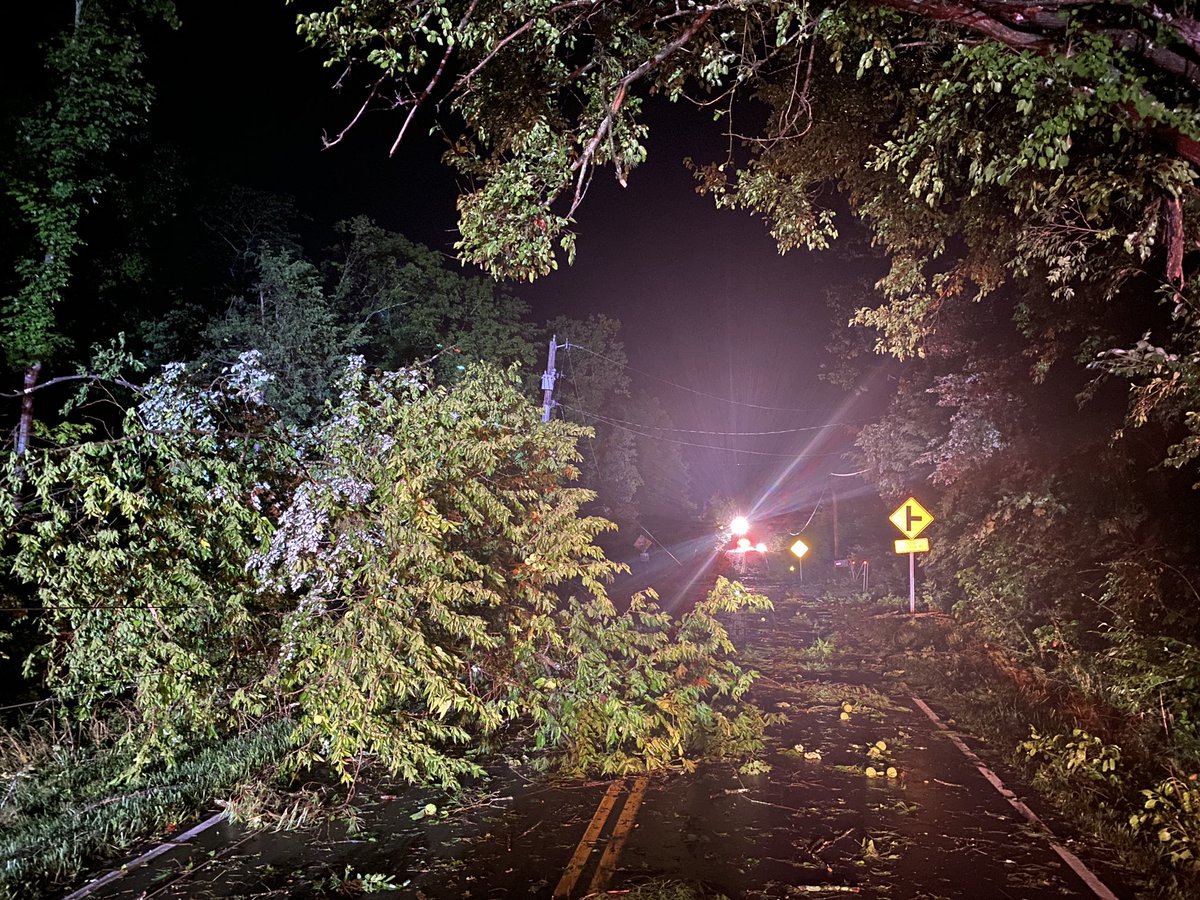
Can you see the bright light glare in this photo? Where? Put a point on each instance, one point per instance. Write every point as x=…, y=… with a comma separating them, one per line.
x=739, y=525
x=760, y=547
x=743, y=544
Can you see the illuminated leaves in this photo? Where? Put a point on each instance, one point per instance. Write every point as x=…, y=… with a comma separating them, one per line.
x=430, y=548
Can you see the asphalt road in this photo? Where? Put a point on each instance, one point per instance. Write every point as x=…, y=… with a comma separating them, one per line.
x=810, y=822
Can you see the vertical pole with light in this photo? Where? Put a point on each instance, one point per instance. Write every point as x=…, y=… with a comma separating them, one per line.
x=548, y=378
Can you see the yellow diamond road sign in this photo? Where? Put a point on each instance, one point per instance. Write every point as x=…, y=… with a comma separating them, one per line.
x=911, y=518
x=799, y=549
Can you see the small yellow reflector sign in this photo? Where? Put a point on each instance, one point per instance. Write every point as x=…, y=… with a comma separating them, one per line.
x=917, y=545
x=799, y=549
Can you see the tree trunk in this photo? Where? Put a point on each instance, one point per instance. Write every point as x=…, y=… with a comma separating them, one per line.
x=25, y=425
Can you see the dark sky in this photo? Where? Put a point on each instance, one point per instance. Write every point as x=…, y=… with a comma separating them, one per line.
x=706, y=300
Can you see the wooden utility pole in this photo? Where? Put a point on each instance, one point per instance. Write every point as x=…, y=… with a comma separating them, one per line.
x=833, y=494
x=548, y=379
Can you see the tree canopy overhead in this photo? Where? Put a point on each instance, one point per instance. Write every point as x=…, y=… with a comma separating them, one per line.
x=548, y=92
x=1042, y=155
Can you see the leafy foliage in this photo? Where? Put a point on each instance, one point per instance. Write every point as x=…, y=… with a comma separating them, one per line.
x=81, y=803
x=390, y=587
x=1173, y=808
x=423, y=558
x=1078, y=752
x=137, y=548
x=99, y=97
x=640, y=695
x=408, y=304
x=295, y=328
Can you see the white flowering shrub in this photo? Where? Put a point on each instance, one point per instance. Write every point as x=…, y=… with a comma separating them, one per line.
x=136, y=548
x=403, y=583
x=423, y=553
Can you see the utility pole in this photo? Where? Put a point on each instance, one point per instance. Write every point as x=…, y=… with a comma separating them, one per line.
x=548, y=379
x=833, y=493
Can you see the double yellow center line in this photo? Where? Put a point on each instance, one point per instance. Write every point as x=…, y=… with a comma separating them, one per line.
x=591, y=837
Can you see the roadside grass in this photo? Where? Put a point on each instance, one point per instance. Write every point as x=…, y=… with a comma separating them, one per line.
x=64, y=807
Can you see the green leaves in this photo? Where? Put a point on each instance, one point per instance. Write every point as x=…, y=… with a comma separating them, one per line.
x=57, y=171
x=507, y=224
x=423, y=559
x=137, y=550
x=294, y=327
x=639, y=699
x=1171, y=815
x=1077, y=753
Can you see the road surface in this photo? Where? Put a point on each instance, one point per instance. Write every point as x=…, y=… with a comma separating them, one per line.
x=808, y=820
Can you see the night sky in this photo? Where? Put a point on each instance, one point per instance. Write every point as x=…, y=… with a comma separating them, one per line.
x=705, y=298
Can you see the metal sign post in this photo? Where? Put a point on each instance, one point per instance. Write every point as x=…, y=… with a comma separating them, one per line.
x=912, y=584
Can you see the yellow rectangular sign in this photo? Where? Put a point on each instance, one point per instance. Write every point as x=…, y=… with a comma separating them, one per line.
x=917, y=545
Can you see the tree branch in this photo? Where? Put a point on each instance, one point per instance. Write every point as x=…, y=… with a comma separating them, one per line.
x=358, y=115
x=1039, y=18
x=419, y=101
x=584, y=162
x=973, y=18
x=463, y=80
x=97, y=379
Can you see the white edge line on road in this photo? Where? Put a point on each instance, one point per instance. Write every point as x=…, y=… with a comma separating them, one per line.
x=146, y=857
x=1099, y=888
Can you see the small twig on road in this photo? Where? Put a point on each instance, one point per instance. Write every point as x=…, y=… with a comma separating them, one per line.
x=523, y=834
x=486, y=801
x=792, y=862
x=790, y=809
x=825, y=845
x=771, y=682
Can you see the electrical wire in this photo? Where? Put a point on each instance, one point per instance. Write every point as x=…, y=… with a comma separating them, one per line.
x=575, y=390
x=779, y=431
x=813, y=516
x=684, y=387
x=616, y=424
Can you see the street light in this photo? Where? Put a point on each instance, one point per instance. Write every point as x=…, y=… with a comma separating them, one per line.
x=740, y=525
